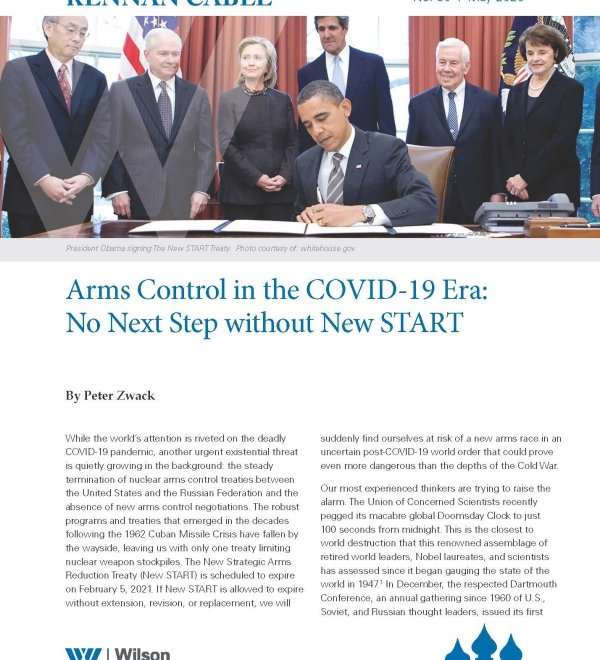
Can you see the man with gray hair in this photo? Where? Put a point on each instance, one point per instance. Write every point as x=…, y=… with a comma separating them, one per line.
x=361, y=77
x=162, y=135
x=55, y=122
x=456, y=113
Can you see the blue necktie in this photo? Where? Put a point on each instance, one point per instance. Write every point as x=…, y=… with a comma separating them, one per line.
x=452, y=115
x=337, y=76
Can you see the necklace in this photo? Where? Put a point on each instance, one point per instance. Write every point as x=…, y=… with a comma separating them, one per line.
x=537, y=89
x=253, y=92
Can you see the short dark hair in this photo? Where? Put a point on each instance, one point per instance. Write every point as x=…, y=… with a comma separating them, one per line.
x=544, y=35
x=328, y=90
x=343, y=20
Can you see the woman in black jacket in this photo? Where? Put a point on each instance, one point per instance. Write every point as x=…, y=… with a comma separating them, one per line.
x=543, y=116
x=258, y=139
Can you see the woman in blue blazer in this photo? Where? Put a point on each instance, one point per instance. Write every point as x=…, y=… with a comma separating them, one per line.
x=543, y=117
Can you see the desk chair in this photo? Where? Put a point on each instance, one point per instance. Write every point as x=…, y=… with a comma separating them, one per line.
x=436, y=164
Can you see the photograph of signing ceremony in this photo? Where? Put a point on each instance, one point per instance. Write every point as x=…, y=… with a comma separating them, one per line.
x=307, y=126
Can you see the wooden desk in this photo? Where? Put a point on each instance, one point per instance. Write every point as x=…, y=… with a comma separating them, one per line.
x=109, y=229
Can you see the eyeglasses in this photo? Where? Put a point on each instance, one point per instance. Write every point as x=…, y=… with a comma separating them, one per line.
x=71, y=30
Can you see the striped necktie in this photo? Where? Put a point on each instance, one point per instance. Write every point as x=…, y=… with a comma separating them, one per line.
x=335, y=184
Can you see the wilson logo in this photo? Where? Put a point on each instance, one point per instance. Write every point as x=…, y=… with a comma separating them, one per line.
x=138, y=654
x=83, y=654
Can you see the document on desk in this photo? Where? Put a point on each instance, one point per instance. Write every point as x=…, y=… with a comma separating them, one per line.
x=263, y=227
x=177, y=227
x=357, y=230
x=297, y=228
x=436, y=229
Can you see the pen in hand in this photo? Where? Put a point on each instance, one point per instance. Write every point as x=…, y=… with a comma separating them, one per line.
x=319, y=196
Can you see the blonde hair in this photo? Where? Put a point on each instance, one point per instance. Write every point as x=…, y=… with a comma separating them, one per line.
x=270, y=77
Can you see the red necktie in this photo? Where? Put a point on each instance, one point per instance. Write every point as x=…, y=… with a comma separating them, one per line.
x=63, y=81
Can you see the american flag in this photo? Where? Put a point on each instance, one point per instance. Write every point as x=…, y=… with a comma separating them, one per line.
x=133, y=61
x=513, y=68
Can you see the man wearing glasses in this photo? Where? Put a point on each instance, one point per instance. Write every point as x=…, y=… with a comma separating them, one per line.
x=55, y=123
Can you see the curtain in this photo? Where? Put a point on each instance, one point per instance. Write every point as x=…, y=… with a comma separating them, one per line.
x=4, y=49
x=485, y=36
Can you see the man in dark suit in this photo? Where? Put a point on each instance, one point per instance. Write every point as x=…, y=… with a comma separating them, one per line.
x=54, y=118
x=595, y=162
x=353, y=176
x=456, y=113
x=362, y=78
x=162, y=131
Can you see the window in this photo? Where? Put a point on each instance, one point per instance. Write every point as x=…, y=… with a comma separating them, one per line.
x=26, y=37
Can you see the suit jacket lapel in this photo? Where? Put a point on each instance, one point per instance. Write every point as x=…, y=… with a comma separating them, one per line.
x=321, y=67
x=354, y=73
x=312, y=179
x=145, y=99
x=438, y=107
x=358, y=162
x=521, y=98
x=80, y=82
x=471, y=100
x=78, y=68
x=45, y=75
x=183, y=97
